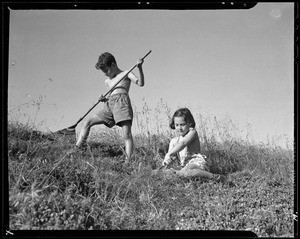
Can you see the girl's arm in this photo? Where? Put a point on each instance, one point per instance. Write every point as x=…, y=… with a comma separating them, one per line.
x=175, y=148
x=185, y=141
x=168, y=158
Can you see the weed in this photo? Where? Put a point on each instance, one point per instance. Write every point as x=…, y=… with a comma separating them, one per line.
x=94, y=190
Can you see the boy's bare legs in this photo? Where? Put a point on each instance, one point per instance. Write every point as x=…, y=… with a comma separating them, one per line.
x=127, y=136
x=93, y=120
x=86, y=127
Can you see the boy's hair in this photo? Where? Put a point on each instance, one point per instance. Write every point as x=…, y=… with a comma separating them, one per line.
x=105, y=60
x=188, y=117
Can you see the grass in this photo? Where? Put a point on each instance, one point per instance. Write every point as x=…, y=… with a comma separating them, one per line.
x=93, y=190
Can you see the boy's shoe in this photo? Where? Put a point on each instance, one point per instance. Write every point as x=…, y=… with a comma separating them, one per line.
x=220, y=178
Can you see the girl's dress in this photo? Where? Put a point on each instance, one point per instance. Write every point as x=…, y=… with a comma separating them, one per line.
x=188, y=159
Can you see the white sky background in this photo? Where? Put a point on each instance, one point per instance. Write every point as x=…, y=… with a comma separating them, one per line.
x=237, y=63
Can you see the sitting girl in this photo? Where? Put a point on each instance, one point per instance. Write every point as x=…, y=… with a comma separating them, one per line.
x=186, y=148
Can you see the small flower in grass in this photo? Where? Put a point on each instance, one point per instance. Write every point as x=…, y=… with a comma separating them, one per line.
x=143, y=198
x=22, y=156
x=42, y=160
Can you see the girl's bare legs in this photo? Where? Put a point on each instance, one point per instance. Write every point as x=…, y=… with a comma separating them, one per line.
x=86, y=127
x=127, y=136
x=193, y=170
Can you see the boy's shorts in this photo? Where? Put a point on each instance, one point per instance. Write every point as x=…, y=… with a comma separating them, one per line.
x=116, y=110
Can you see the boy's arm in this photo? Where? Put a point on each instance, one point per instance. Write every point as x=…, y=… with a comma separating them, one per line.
x=101, y=97
x=106, y=84
x=139, y=81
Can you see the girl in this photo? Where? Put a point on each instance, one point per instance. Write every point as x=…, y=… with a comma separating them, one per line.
x=186, y=148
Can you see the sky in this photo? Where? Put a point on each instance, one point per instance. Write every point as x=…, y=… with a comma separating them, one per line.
x=236, y=63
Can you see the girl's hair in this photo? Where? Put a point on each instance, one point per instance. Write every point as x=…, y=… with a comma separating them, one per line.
x=105, y=60
x=188, y=117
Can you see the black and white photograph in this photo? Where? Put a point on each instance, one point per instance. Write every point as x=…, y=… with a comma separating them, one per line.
x=149, y=118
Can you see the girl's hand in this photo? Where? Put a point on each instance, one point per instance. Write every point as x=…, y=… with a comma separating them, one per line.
x=167, y=159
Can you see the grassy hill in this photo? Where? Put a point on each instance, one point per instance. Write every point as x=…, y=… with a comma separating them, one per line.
x=95, y=190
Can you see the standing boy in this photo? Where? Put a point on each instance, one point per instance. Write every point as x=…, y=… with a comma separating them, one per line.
x=117, y=108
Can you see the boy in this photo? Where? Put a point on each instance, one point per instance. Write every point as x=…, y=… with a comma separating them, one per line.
x=117, y=109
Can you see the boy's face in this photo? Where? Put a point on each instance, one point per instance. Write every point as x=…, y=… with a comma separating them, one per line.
x=109, y=71
x=180, y=125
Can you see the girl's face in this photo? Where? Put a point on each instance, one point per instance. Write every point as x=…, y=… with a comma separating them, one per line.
x=181, y=126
